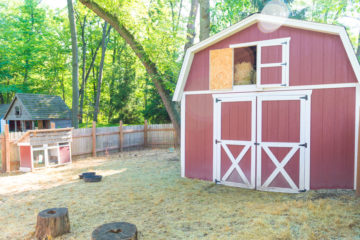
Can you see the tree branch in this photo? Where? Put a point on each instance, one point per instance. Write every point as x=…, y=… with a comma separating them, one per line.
x=141, y=54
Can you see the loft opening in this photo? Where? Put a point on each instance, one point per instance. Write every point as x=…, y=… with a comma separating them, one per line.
x=245, y=65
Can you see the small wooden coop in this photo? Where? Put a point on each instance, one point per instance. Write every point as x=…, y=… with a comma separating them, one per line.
x=44, y=148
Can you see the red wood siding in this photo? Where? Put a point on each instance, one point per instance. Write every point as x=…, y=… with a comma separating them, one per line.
x=199, y=137
x=236, y=125
x=332, y=138
x=271, y=54
x=236, y=121
x=271, y=75
x=280, y=123
x=25, y=156
x=315, y=58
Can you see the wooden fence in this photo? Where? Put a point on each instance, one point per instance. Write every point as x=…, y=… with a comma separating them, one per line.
x=90, y=141
x=93, y=140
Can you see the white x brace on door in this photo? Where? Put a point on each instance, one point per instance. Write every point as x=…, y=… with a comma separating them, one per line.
x=262, y=140
x=235, y=143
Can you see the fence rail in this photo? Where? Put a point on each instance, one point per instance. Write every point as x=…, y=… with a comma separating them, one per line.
x=90, y=141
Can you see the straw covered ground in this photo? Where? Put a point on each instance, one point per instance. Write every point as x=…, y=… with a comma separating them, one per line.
x=145, y=188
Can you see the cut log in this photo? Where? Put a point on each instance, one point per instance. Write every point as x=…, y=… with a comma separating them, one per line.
x=51, y=223
x=115, y=231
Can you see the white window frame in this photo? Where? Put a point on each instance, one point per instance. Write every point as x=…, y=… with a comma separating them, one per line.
x=284, y=64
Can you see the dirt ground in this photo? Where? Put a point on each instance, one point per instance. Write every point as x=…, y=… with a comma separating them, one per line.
x=145, y=188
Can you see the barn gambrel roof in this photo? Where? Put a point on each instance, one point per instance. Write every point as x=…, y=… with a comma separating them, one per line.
x=42, y=107
x=255, y=18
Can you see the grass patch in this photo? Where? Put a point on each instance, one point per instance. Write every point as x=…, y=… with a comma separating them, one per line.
x=145, y=188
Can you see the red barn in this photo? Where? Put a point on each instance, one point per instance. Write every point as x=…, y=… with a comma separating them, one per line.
x=272, y=104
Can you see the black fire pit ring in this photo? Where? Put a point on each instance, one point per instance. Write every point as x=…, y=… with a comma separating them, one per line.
x=85, y=174
x=94, y=178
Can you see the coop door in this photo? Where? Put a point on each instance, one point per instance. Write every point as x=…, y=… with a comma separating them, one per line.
x=281, y=143
x=235, y=143
x=273, y=63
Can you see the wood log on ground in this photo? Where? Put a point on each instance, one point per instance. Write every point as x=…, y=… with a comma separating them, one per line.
x=115, y=231
x=52, y=222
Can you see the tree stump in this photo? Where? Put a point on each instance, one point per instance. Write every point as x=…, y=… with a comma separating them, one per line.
x=52, y=222
x=115, y=231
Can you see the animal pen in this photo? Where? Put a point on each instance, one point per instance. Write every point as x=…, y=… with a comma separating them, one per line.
x=92, y=141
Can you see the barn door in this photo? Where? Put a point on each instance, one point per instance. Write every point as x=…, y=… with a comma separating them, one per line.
x=281, y=143
x=273, y=63
x=235, y=139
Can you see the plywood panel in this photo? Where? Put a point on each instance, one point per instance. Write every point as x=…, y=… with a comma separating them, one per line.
x=221, y=69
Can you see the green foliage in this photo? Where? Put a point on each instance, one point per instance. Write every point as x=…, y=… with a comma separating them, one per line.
x=35, y=49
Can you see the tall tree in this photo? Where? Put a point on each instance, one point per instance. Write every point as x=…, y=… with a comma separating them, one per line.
x=358, y=48
x=138, y=48
x=190, y=35
x=100, y=74
x=75, y=66
x=204, y=19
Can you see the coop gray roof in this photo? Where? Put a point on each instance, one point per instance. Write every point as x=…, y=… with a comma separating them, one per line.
x=3, y=109
x=43, y=107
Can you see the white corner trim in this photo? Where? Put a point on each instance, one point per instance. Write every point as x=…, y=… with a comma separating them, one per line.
x=357, y=111
x=350, y=53
x=312, y=26
x=182, y=141
x=184, y=72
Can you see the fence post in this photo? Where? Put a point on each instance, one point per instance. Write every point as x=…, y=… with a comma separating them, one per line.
x=121, y=136
x=52, y=125
x=7, y=148
x=94, y=139
x=145, y=133
x=3, y=153
x=175, y=139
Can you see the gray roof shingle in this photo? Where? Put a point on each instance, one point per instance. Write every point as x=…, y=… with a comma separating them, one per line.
x=42, y=107
x=3, y=109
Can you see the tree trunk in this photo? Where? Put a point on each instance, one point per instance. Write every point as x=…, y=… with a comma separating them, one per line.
x=115, y=230
x=51, y=223
x=101, y=67
x=143, y=57
x=82, y=89
x=75, y=66
x=191, y=24
x=358, y=48
x=204, y=19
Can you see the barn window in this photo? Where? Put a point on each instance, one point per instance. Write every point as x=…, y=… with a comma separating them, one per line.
x=264, y=63
x=273, y=63
x=17, y=111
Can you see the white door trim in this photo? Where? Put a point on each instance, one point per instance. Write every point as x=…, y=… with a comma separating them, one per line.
x=304, y=157
x=248, y=145
x=305, y=108
x=182, y=137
